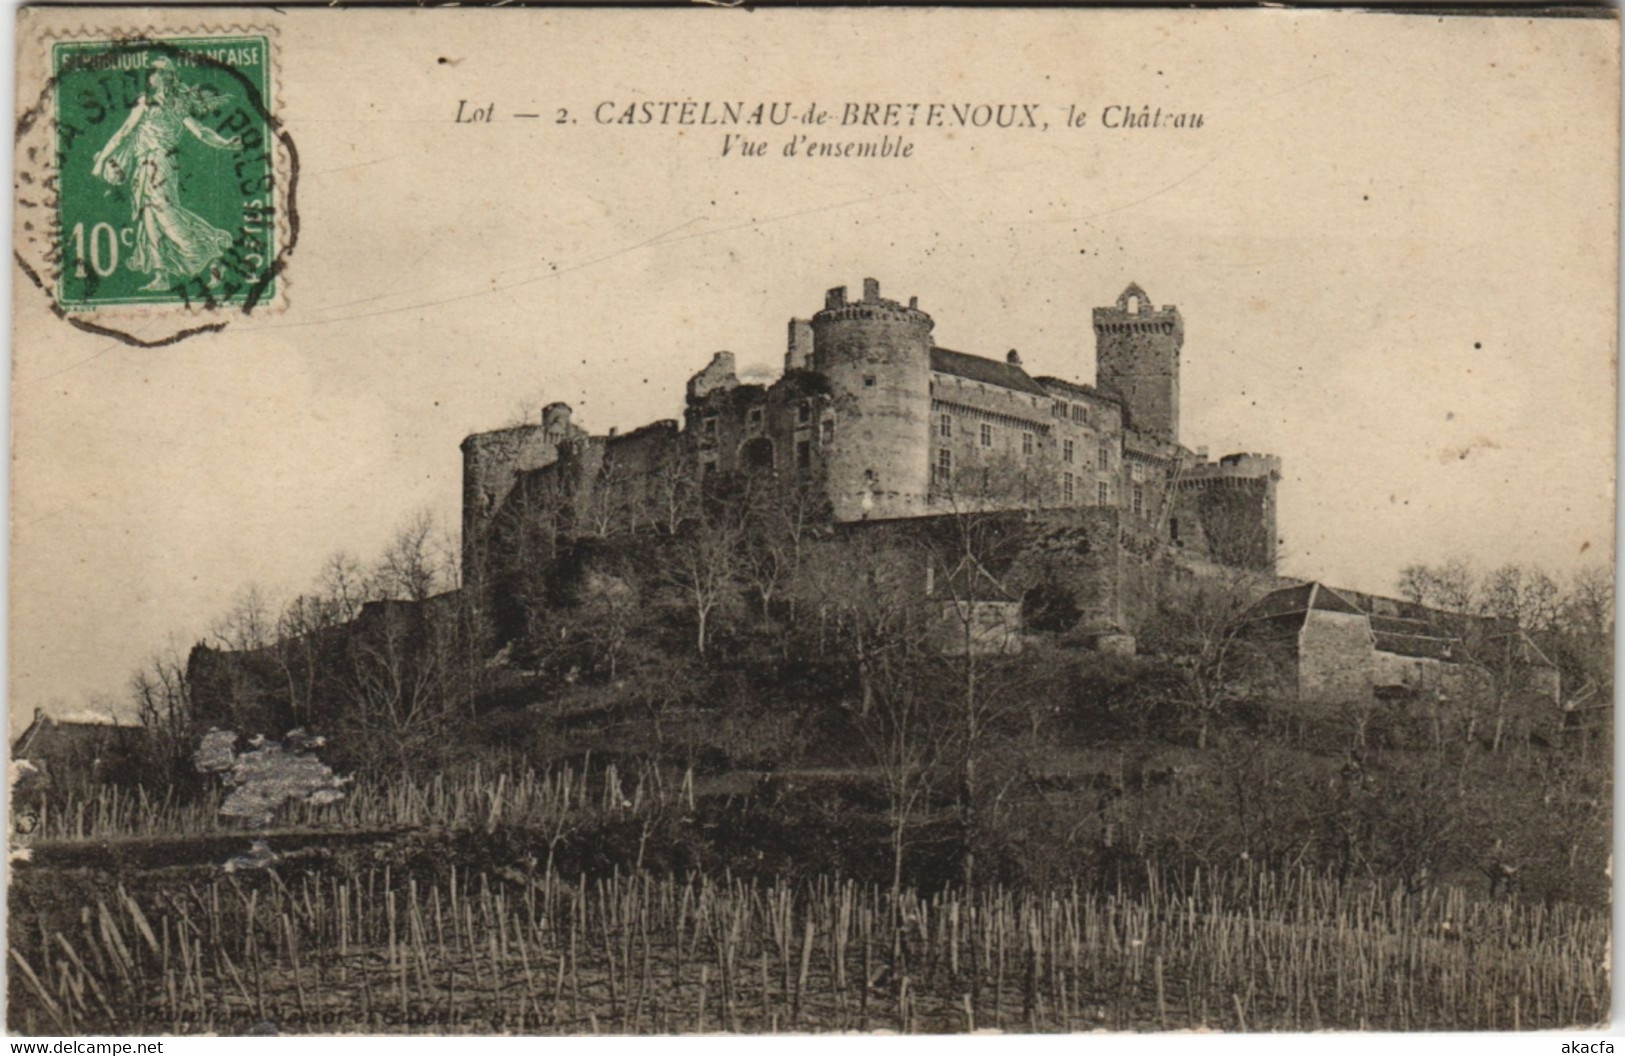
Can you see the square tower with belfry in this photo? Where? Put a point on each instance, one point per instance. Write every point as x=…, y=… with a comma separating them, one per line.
x=1137, y=349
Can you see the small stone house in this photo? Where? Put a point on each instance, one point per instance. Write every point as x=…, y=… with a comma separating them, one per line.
x=62, y=751
x=1345, y=647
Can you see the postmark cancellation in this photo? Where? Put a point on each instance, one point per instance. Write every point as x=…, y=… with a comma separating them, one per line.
x=155, y=181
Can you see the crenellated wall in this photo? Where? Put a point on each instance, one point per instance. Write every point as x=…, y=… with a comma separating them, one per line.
x=1233, y=503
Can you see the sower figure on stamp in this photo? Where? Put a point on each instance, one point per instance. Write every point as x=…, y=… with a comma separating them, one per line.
x=171, y=241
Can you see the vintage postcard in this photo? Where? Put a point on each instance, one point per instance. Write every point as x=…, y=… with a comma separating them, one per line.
x=687, y=521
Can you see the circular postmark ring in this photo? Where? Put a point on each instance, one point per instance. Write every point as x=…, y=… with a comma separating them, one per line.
x=160, y=199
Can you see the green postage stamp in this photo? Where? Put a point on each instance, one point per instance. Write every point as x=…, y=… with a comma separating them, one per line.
x=167, y=181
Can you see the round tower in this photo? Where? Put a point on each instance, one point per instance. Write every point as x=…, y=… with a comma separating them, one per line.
x=876, y=356
x=1233, y=502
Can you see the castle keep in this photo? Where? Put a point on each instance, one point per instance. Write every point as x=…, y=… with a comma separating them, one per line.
x=888, y=426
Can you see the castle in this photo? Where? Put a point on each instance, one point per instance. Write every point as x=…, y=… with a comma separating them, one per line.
x=888, y=425
x=1092, y=512
x=1103, y=502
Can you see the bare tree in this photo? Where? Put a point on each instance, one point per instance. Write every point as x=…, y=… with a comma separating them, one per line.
x=1524, y=594
x=783, y=515
x=1500, y=618
x=1217, y=655
x=1452, y=586
x=985, y=686
x=343, y=585
x=702, y=566
x=300, y=629
x=409, y=568
x=860, y=598
x=1585, y=630
x=249, y=624
x=903, y=731
x=674, y=494
x=413, y=675
x=610, y=612
x=607, y=505
x=162, y=692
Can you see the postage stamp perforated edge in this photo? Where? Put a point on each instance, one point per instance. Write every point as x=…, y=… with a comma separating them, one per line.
x=38, y=232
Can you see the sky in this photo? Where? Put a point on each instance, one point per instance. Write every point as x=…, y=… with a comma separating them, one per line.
x=1393, y=242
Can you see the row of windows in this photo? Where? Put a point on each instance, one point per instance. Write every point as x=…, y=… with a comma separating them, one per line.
x=942, y=474
x=753, y=419
x=1069, y=490
x=1076, y=411
x=1079, y=413
x=945, y=429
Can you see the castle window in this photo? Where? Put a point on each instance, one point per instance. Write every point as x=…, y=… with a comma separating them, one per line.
x=945, y=466
x=803, y=413
x=987, y=435
x=868, y=381
x=1079, y=414
x=1067, y=451
x=803, y=454
x=1137, y=471
x=946, y=427
x=1105, y=457
x=1067, y=492
x=1173, y=529
x=708, y=427
x=826, y=435
x=1060, y=409
x=1102, y=494
x=754, y=417
x=1027, y=444
x=759, y=454
x=1139, y=500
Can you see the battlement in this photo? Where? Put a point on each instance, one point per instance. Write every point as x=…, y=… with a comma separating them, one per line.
x=1134, y=314
x=873, y=306
x=1109, y=324
x=1247, y=466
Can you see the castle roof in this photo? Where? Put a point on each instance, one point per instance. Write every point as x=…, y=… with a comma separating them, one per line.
x=1299, y=599
x=1399, y=627
x=1074, y=388
x=987, y=371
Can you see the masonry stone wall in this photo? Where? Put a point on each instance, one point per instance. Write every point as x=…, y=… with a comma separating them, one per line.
x=864, y=414
x=998, y=444
x=1137, y=351
x=1334, y=658
x=876, y=356
x=492, y=464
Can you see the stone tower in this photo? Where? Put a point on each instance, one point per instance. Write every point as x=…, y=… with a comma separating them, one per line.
x=1137, y=360
x=876, y=356
x=1234, y=502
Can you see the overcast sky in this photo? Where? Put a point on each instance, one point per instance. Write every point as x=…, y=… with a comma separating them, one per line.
x=1392, y=242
